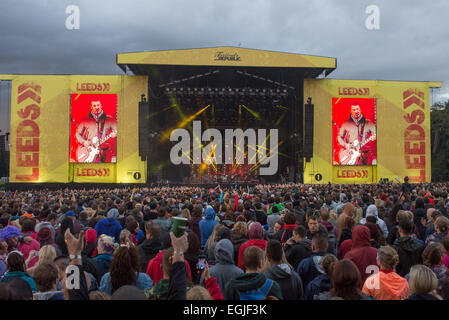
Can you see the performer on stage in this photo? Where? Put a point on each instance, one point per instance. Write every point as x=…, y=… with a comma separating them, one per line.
x=353, y=135
x=96, y=134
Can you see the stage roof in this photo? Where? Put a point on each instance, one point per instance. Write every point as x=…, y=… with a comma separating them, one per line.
x=310, y=66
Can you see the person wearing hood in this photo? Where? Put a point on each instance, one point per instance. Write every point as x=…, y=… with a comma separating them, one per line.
x=45, y=233
x=47, y=278
x=298, y=247
x=322, y=283
x=105, y=249
x=386, y=284
x=407, y=247
x=224, y=269
x=361, y=253
x=278, y=269
x=311, y=267
x=151, y=246
x=207, y=225
x=372, y=211
x=253, y=284
x=256, y=238
x=420, y=215
x=110, y=226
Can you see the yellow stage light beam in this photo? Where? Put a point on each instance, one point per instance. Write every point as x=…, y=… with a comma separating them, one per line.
x=254, y=113
x=183, y=123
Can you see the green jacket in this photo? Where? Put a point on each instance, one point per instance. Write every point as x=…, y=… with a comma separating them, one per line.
x=280, y=208
x=249, y=281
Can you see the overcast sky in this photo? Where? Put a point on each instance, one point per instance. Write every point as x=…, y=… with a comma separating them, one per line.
x=411, y=44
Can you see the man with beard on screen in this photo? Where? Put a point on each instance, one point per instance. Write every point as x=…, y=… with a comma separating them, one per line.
x=354, y=134
x=96, y=134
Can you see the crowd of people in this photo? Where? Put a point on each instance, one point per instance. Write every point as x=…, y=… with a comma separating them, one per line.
x=384, y=241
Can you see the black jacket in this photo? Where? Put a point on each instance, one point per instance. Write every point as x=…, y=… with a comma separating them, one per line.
x=295, y=253
x=237, y=240
x=421, y=297
x=177, y=288
x=261, y=217
x=288, y=280
x=147, y=251
x=410, y=253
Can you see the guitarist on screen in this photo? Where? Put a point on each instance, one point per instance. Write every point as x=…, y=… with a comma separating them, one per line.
x=95, y=135
x=353, y=135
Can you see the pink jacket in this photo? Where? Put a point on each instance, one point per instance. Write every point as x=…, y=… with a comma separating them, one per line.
x=26, y=248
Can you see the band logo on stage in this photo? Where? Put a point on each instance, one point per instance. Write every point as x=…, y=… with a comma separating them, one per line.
x=354, y=131
x=93, y=129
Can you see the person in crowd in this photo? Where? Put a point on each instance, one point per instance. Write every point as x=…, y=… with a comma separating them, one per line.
x=105, y=248
x=151, y=245
x=47, y=278
x=16, y=269
x=253, y=284
x=124, y=270
x=256, y=238
x=45, y=255
x=207, y=225
x=371, y=211
x=345, y=283
x=286, y=231
x=224, y=269
x=110, y=226
x=321, y=283
x=423, y=284
x=361, y=253
x=433, y=257
x=311, y=267
x=348, y=211
x=238, y=237
x=298, y=247
x=408, y=248
x=441, y=230
x=192, y=255
x=386, y=284
x=278, y=269
x=162, y=220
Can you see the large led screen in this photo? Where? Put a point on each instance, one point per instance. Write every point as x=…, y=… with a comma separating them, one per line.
x=93, y=129
x=354, y=131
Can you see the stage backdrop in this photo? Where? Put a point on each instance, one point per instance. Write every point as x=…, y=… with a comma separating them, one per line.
x=40, y=128
x=402, y=130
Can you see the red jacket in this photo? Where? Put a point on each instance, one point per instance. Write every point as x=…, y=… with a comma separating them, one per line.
x=361, y=253
x=261, y=243
x=154, y=269
x=214, y=289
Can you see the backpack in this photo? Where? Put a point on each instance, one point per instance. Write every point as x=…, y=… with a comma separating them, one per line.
x=257, y=294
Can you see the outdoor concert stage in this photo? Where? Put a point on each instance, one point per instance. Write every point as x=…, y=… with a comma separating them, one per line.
x=217, y=115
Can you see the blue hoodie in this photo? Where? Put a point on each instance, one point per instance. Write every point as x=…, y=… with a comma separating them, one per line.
x=109, y=227
x=207, y=225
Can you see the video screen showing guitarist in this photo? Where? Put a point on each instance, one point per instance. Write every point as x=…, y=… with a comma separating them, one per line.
x=356, y=138
x=95, y=135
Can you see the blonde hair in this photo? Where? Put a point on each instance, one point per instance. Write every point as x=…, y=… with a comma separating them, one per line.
x=240, y=228
x=198, y=293
x=333, y=215
x=98, y=295
x=388, y=257
x=358, y=215
x=125, y=237
x=46, y=254
x=402, y=214
x=186, y=213
x=213, y=235
x=423, y=281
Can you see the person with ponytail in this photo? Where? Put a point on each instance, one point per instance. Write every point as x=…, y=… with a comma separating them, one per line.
x=386, y=284
x=124, y=270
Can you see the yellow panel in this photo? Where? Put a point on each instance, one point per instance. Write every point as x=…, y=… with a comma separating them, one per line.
x=226, y=56
x=40, y=118
x=94, y=172
x=403, y=111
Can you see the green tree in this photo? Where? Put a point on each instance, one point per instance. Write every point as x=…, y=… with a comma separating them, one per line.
x=439, y=127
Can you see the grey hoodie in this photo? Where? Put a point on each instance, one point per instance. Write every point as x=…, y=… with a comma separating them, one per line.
x=288, y=280
x=224, y=269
